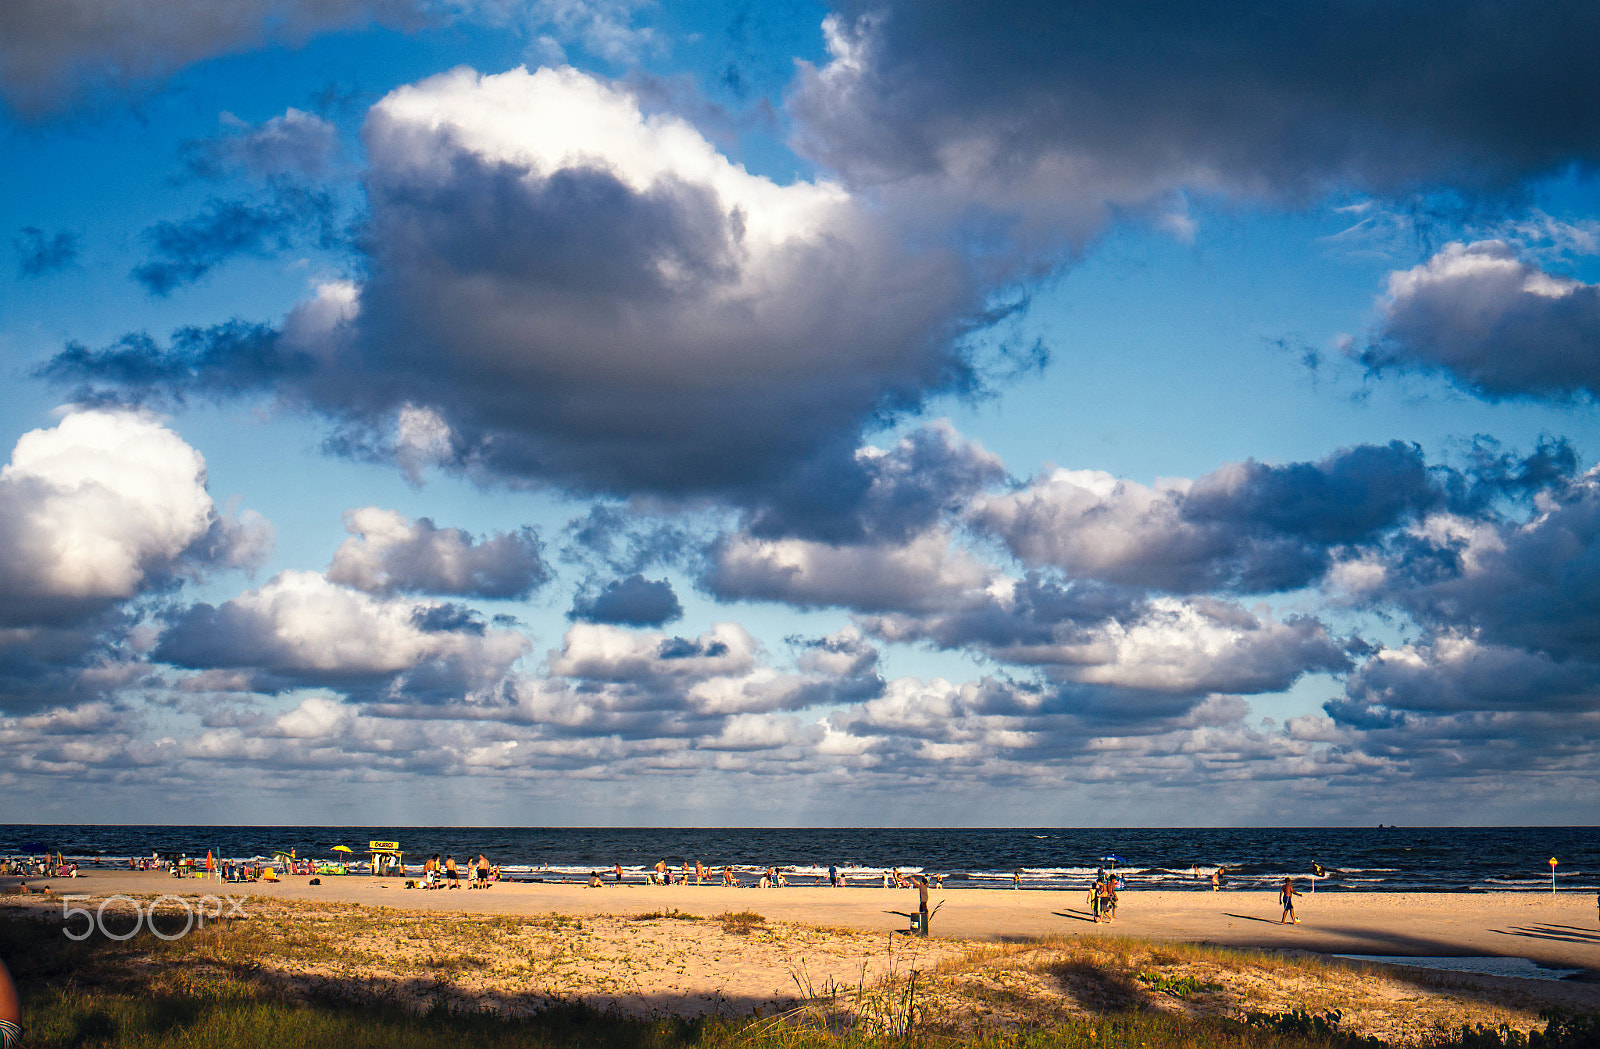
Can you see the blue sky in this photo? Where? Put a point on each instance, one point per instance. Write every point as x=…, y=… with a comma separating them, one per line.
x=569, y=412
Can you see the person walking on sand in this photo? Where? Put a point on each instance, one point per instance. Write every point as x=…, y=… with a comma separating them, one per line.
x=1108, y=900
x=699, y=872
x=1286, y=896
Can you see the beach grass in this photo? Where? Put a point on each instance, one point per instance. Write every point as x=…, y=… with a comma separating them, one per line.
x=232, y=1016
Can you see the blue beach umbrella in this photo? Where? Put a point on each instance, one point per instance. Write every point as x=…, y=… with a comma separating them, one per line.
x=1113, y=858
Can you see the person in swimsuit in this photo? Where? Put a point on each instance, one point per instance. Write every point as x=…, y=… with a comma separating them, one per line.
x=1286, y=897
x=451, y=872
x=483, y=871
x=617, y=870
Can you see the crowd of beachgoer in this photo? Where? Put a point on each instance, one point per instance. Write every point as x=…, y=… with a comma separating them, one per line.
x=447, y=874
x=46, y=866
x=697, y=873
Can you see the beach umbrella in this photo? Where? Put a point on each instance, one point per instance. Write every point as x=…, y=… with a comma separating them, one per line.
x=211, y=863
x=341, y=848
x=1113, y=858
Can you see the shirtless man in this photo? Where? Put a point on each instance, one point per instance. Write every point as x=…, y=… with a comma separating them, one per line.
x=1106, y=896
x=1286, y=897
x=452, y=872
x=922, y=903
x=483, y=871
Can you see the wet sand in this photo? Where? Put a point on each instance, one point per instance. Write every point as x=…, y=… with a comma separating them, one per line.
x=1557, y=930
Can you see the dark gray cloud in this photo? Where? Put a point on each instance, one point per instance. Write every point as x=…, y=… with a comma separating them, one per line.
x=389, y=554
x=224, y=360
x=183, y=252
x=38, y=254
x=657, y=320
x=634, y=601
x=1060, y=114
x=878, y=495
x=624, y=541
x=1530, y=584
x=52, y=50
x=1495, y=323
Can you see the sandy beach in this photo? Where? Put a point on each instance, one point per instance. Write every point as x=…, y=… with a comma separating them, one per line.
x=1558, y=930
x=997, y=958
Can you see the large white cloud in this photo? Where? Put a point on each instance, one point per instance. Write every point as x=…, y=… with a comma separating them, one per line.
x=102, y=506
x=303, y=628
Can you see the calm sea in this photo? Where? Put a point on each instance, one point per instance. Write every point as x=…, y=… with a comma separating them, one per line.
x=1437, y=859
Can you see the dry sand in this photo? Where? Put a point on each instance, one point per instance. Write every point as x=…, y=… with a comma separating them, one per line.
x=1558, y=930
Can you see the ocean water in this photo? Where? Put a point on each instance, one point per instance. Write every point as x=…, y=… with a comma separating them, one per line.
x=1393, y=859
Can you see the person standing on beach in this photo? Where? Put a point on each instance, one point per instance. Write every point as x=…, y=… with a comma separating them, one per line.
x=483, y=871
x=618, y=871
x=833, y=876
x=699, y=872
x=1016, y=878
x=452, y=872
x=1216, y=880
x=1286, y=896
x=922, y=902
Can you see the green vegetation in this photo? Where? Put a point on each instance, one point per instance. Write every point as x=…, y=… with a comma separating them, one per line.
x=674, y=913
x=1178, y=987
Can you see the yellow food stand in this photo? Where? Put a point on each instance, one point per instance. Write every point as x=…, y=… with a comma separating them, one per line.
x=387, y=859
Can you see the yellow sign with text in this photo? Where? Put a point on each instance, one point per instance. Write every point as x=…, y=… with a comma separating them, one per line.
x=383, y=846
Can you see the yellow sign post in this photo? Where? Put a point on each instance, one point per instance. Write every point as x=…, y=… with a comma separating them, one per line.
x=1552, y=875
x=383, y=846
